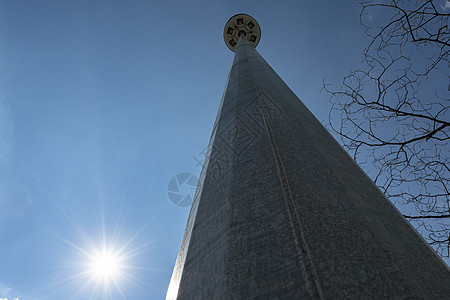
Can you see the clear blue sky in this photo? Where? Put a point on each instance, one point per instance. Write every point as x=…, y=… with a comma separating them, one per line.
x=103, y=102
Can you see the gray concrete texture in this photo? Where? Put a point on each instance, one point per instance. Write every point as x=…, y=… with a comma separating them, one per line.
x=285, y=213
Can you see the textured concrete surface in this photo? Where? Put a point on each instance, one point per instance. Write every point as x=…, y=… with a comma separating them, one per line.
x=284, y=213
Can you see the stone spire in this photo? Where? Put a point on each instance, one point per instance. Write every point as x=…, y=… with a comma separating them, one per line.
x=283, y=212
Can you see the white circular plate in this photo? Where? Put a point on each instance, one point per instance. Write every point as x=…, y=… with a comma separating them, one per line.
x=241, y=24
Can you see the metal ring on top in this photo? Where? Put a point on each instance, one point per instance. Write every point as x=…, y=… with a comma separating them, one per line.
x=241, y=24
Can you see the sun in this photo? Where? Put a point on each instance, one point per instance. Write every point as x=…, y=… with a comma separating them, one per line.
x=102, y=265
x=105, y=265
x=105, y=268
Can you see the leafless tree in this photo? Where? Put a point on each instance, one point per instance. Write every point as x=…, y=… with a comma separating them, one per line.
x=393, y=113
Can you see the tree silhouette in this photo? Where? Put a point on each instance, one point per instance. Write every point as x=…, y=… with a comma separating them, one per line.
x=393, y=113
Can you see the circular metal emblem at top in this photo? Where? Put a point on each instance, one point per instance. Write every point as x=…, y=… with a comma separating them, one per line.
x=241, y=24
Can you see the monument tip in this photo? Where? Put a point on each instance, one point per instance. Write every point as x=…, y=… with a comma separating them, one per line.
x=241, y=24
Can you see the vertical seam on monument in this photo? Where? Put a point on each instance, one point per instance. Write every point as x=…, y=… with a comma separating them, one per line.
x=283, y=179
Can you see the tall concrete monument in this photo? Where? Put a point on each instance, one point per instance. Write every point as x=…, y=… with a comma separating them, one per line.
x=283, y=212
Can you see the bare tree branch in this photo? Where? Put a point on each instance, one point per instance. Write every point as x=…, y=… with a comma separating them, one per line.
x=392, y=114
x=427, y=217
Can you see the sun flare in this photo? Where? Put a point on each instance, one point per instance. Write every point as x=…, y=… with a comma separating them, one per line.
x=105, y=265
x=102, y=267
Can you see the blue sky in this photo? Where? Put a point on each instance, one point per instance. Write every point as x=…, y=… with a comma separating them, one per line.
x=103, y=102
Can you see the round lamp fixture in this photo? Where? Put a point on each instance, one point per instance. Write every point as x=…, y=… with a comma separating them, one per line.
x=241, y=24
